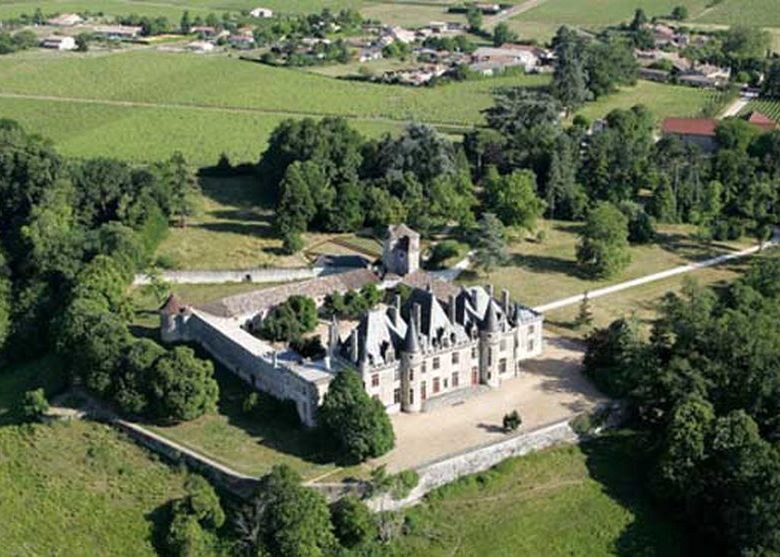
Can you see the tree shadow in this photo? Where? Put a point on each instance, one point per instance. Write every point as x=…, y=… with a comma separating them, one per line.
x=615, y=461
x=545, y=264
x=491, y=428
x=159, y=519
x=258, y=229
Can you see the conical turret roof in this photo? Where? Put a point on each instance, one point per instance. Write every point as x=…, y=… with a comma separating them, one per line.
x=491, y=324
x=411, y=344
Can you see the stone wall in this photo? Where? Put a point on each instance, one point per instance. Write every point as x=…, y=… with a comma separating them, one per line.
x=263, y=275
x=449, y=469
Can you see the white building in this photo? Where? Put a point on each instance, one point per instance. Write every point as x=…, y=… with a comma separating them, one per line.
x=262, y=13
x=59, y=43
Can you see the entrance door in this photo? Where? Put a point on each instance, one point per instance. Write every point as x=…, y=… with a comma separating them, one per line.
x=474, y=376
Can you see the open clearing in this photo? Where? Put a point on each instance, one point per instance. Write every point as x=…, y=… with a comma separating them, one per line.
x=75, y=488
x=572, y=500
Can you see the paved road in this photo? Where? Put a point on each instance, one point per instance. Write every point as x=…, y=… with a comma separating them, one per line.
x=571, y=300
x=513, y=11
x=735, y=107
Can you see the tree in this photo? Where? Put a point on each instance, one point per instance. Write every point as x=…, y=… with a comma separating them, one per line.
x=286, y=518
x=194, y=520
x=603, y=248
x=680, y=13
x=502, y=34
x=5, y=302
x=353, y=521
x=513, y=198
x=612, y=356
x=771, y=86
x=569, y=80
x=183, y=188
x=82, y=42
x=608, y=65
x=182, y=386
x=294, y=317
x=585, y=315
x=357, y=422
x=130, y=383
x=474, y=18
x=186, y=23
x=640, y=225
x=564, y=196
x=640, y=19
x=297, y=206
x=490, y=243
x=34, y=404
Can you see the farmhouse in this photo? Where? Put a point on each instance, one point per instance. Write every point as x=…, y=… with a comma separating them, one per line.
x=692, y=131
x=262, y=13
x=440, y=345
x=486, y=60
x=59, y=43
x=117, y=32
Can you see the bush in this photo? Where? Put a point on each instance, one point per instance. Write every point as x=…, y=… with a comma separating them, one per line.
x=512, y=421
x=292, y=243
x=405, y=481
x=291, y=319
x=443, y=251
x=34, y=404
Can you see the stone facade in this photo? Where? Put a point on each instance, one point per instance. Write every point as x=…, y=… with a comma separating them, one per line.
x=407, y=353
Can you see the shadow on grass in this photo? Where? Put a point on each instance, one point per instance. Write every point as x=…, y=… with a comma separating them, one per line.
x=615, y=461
x=544, y=264
x=237, y=191
x=242, y=227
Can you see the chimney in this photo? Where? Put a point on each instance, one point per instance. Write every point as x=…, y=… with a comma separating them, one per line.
x=354, y=346
x=451, y=308
x=489, y=288
x=417, y=317
x=505, y=301
x=274, y=359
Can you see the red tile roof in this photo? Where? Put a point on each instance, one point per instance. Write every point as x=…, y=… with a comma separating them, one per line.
x=690, y=126
x=761, y=120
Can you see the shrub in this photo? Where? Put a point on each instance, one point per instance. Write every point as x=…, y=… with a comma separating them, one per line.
x=405, y=481
x=353, y=522
x=291, y=319
x=34, y=404
x=512, y=421
x=443, y=251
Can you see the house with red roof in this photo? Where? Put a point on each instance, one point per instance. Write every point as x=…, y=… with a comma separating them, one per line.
x=692, y=131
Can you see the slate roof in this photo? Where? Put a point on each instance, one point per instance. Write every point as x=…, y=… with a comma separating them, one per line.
x=258, y=301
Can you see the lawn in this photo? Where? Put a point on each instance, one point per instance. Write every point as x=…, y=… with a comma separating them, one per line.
x=544, y=272
x=572, y=500
x=763, y=13
x=74, y=488
x=663, y=100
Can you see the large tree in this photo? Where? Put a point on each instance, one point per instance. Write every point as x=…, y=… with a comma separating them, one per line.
x=357, y=422
x=513, y=198
x=603, y=247
x=182, y=386
x=490, y=249
x=569, y=83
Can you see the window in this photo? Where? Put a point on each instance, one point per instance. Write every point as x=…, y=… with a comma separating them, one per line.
x=474, y=376
x=411, y=374
x=474, y=353
x=502, y=346
x=375, y=380
x=411, y=396
x=424, y=367
x=397, y=374
x=531, y=329
x=397, y=396
x=436, y=363
x=454, y=379
x=531, y=345
x=490, y=357
x=423, y=391
x=446, y=383
x=502, y=365
x=455, y=357
x=436, y=386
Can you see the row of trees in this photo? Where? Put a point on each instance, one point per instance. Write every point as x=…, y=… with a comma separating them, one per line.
x=704, y=389
x=72, y=234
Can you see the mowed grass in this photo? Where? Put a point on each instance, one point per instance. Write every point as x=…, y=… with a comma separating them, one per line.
x=663, y=100
x=75, y=489
x=539, y=273
x=572, y=500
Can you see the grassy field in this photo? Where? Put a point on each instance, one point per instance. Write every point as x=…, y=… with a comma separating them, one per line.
x=602, y=12
x=544, y=272
x=75, y=489
x=764, y=13
x=573, y=500
x=663, y=100
x=768, y=108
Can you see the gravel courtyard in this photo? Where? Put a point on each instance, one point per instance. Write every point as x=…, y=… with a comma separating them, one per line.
x=552, y=388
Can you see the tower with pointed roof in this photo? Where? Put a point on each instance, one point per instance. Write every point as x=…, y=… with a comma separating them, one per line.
x=492, y=357
x=173, y=317
x=401, y=253
x=411, y=369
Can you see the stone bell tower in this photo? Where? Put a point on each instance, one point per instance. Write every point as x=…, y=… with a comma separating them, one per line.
x=401, y=254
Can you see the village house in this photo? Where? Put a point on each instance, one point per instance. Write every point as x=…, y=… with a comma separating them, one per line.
x=490, y=60
x=116, y=32
x=692, y=131
x=262, y=13
x=65, y=20
x=440, y=345
x=59, y=43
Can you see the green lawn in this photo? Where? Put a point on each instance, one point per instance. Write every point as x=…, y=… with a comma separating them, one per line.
x=572, y=500
x=75, y=489
x=547, y=271
x=764, y=13
x=662, y=99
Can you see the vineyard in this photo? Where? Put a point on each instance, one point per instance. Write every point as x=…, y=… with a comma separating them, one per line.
x=769, y=108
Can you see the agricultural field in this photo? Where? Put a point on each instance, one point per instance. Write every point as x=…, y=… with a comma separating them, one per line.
x=574, y=500
x=544, y=272
x=763, y=13
x=143, y=105
x=75, y=488
x=769, y=108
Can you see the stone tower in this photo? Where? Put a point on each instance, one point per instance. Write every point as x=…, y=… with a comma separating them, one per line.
x=401, y=254
x=411, y=370
x=489, y=347
x=173, y=317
